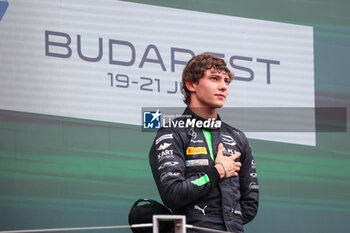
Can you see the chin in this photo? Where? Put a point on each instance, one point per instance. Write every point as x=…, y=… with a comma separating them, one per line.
x=218, y=105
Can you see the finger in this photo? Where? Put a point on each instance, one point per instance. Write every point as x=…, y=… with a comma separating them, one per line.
x=235, y=156
x=238, y=164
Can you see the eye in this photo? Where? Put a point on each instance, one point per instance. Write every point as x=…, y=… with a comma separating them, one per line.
x=227, y=81
x=213, y=78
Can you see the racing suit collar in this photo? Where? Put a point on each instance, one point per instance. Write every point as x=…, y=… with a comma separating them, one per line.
x=212, y=123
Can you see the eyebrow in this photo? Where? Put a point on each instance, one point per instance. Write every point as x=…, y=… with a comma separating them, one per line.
x=218, y=74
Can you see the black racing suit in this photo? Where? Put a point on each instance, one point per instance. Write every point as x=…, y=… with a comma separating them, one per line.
x=190, y=185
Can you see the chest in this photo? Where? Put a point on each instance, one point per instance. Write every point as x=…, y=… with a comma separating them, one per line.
x=202, y=146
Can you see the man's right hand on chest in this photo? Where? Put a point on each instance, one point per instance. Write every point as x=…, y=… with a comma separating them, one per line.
x=226, y=165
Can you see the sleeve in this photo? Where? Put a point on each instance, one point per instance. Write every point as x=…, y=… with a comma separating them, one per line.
x=168, y=166
x=249, y=185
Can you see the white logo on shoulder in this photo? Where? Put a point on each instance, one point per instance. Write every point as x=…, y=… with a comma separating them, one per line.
x=227, y=139
x=165, y=136
x=164, y=146
x=196, y=207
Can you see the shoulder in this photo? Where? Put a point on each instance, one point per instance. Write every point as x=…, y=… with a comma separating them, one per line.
x=173, y=130
x=232, y=130
x=235, y=133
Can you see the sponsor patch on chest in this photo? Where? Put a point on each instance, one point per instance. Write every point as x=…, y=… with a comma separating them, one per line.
x=196, y=150
x=197, y=162
x=227, y=139
x=229, y=152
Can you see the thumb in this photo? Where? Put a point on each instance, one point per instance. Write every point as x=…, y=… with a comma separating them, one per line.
x=220, y=148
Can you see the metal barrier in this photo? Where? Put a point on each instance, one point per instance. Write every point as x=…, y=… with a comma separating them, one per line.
x=180, y=226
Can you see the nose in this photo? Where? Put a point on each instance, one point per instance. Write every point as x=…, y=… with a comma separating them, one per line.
x=223, y=85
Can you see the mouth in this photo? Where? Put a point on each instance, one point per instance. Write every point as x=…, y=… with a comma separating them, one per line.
x=221, y=96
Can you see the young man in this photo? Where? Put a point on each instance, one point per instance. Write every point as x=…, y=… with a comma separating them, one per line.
x=205, y=169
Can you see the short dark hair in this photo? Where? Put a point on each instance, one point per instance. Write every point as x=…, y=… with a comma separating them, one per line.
x=194, y=71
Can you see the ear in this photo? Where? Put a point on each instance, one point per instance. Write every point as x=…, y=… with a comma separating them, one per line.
x=191, y=86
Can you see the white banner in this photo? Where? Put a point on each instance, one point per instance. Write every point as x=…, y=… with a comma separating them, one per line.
x=104, y=60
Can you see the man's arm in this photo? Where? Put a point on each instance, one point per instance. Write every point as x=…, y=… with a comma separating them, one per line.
x=249, y=185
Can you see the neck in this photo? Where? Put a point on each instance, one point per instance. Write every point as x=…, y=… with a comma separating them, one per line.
x=205, y=113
